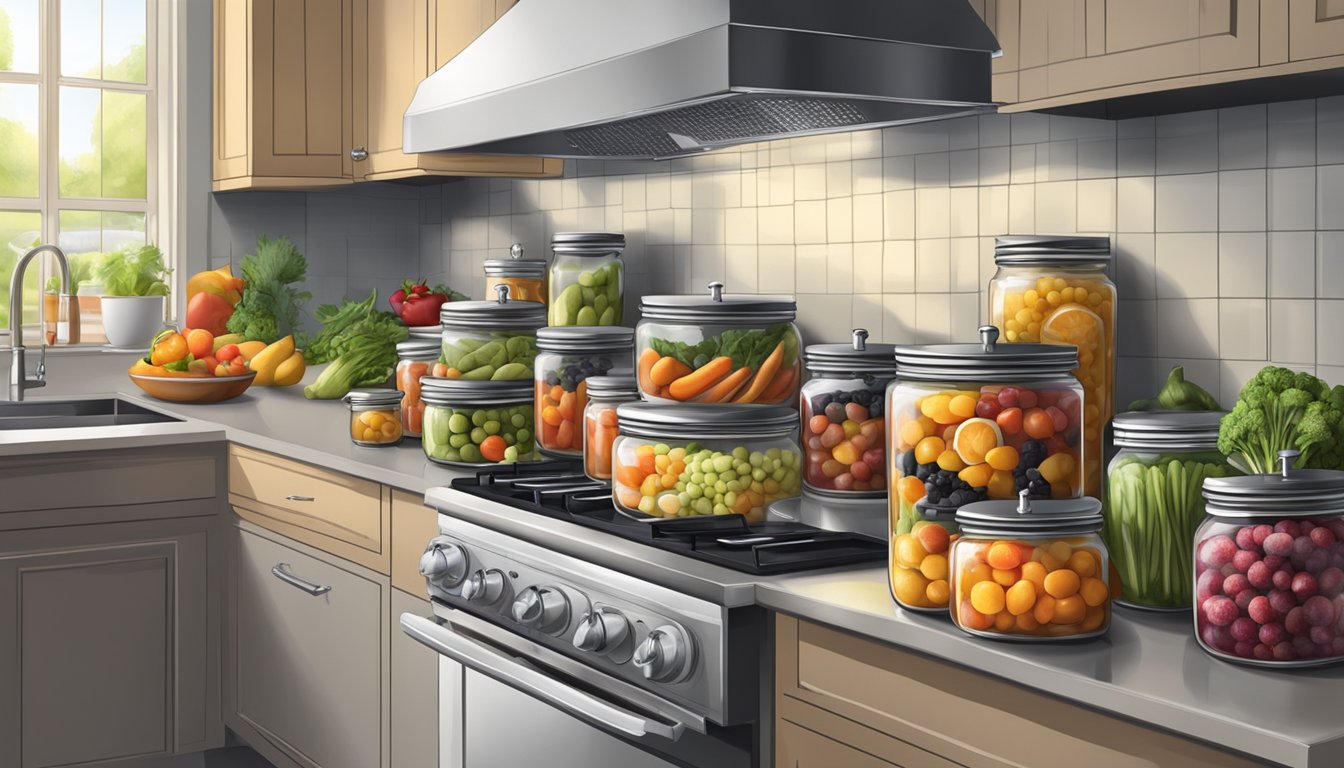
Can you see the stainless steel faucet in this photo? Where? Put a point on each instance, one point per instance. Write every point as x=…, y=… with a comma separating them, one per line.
x=18, y=376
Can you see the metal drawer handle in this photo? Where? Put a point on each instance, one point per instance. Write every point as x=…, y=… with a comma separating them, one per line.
x=281, y=571
x=293, y=497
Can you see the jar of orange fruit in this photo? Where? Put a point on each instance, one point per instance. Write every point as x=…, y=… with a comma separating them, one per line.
x=1055, y=290
x=1031, y=570
x=566, y=358
x=415, y=357
x=600, y=421
x=969, y=423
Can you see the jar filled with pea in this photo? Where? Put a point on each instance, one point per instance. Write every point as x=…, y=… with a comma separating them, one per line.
x=471, y=423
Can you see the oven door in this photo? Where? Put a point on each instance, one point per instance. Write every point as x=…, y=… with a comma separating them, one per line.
x=512, y=703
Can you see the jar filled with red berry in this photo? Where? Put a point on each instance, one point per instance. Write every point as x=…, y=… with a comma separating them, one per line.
x=1269, y=567
x=974, y=422
x=844, y=429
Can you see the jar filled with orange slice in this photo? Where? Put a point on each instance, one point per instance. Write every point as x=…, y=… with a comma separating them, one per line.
x=970, y=423
x=1055, y=290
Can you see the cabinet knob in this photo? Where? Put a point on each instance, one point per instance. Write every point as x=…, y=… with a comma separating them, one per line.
x=359, y=153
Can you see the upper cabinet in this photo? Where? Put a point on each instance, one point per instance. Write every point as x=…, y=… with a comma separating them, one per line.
x=1315, y=29
x=311, y=93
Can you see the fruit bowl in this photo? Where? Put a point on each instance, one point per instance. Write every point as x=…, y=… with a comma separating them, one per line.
x=194, y=389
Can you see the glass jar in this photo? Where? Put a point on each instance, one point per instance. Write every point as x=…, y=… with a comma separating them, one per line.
x=1269, y=568
x=682, y=460
x=600, y=421
x=849, y=512
x=970, y=422
x=1027, y=570
x=1055, y=290
x=566, y=357
x=587, y=283
x=720, y=348
x=375, y=416
x=844, y=424
x=526, y=278
x=471, y=423
x=491, y=340
x=415, y=358
x=1153, y=502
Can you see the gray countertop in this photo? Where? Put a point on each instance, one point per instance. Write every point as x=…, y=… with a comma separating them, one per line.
x=1149, y=668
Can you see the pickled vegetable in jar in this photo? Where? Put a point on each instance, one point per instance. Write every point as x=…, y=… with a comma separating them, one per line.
x=471, y=423
x=843, y=409
x=526, y=278
x=566, y=357
x=491, y=340
x=375, y=416
x=587, y=279
x=415, y=359
x=1055, y=290
x=600, y=422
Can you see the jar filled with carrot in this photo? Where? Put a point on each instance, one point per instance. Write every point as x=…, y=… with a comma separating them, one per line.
x=600, y=422
x=415, y=358
x=566, y=358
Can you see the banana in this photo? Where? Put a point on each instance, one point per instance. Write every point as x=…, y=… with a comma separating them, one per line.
x=267, y=360
x=228, y=338
x=249, y=349
x=290, y=370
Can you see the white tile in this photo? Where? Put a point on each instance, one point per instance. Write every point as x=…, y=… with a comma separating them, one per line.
x=839, y=146
x=840, y=268
x=898, y=266
x=867, y=176
x=682, y=226
x=1030, y=128
x=1136, y=266
x=1292, y=258
x=661, y=227
x=964, y=168
x=1292, y=330
x=914, y=139
x=1292, y=133
x=898, y=318
x=775, y=265
x=1330, y=266
x=1136, y=156
x=633, y=195
x=1138, y=333
x=1187, y=328
x=1187, y=203
x=964, y=316
x=1021, y=208
x=867, y=313
x=1059, y=161
x=569, y=192
x=994, y=130
x=868, y=267
x=592, y=191
x=1242, y=137
x=810, y=267
x=782, y=181
x=1057, y=207
x=1136, y=378
x=1241, y=201
x=707, y=226
x=809, y=222
x=681, y=187
x=964, y=264
x=898, y=173
x=932, y=267
x=1292, y=198
x=840, y=179
x=994, y=166
x=1187, y=142
x=868, y=213
x=1096, y=158
x=963, y=205
x=825, y=318
x=658, y=192
x=993, y=210
x=1096, y=205
x=775, y=225
x=934, y=313
x=740, y=226
x=839, y=220
x=751, y=189
x=1233, y=376
x=931, y=170
x=1242, y=269
x=707, y=264
x=1330, y=130
x=1135, y=204
x=898, y=215
x=1022, y=164
x=551, y=194
x=962, y=132
x=1242, y=328
x=1065, y=127
x=866, y=144
x=808, y=149
x=932, y=212
x=809, y=182
x=1330, y=197
x=1329, y=315
x=1187, y=265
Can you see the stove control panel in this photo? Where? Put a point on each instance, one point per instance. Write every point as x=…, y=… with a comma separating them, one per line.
x=545, y=609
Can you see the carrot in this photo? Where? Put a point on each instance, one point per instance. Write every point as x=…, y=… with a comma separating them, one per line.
x=728, y=387
x=646, y=361
x=779, y=385
x=701, y=378
x=668, y=370
x=763, y=375
x=440, y=370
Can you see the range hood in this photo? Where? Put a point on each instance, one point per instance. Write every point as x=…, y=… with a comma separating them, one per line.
x=656, y=79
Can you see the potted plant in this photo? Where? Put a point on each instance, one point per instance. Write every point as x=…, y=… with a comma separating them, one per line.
x=135, y=283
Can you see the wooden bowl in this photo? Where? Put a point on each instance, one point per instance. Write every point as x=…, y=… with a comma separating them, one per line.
x=194, y=389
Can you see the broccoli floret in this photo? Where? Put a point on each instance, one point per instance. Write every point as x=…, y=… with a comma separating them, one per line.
x=1280, y=408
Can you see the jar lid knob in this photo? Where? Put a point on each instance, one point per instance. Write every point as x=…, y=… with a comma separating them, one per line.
x=1023, y=502
x=516, y=251
x=1286, y=459
x=860, y=339
x=989, y=336
x=502, y=293
x=716, y=291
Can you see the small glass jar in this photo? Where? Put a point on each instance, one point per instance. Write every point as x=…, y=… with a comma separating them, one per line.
x=720, y=348
x=375, y=416
x=415, y=358
x=1027, y=570
x=1055, y=290
x=526, y=278
x=683, y=460
x=844, y=424
x=566, y=357
x=491, y=340
x=1269, y=568
x=971, y=422
x=600, y=423
x=1153, y=502
x=472, y=423
x=587, y=283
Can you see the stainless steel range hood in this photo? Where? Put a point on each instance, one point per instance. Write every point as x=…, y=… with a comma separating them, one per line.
x=667, y=78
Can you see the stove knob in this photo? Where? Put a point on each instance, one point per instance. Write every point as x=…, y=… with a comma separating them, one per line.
x=444, y=563
x=484, y=587
x=665, y=655
x=542, y=608
x=605, y=631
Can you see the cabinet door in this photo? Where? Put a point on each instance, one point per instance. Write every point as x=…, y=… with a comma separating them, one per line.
x=1315, y=28
x=415, y=691
x=306, y=670
x=797, y=747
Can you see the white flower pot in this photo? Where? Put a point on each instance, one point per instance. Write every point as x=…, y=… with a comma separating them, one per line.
x=132, y=321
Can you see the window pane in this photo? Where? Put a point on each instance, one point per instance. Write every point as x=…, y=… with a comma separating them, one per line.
x=86, y=235
x=19, y=51
x=81, y=47
x=124, y=143
x=102, y=143
x=19, y=231
x=124, y=40
x=18, y=140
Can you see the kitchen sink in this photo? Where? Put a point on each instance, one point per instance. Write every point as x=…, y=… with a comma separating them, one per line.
x=59, y=414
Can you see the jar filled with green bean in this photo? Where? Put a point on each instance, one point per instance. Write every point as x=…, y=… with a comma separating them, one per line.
x=1153, y=502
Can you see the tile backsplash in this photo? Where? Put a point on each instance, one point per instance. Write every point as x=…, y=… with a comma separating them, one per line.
x=1227, y=227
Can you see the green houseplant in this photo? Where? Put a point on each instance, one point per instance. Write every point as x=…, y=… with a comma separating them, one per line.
x=135, y=284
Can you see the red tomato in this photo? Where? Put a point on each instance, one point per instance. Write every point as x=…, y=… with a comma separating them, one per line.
x=492, y=448
x=208, y=311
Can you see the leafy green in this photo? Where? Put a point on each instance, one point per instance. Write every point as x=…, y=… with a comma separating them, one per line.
x=1282, y=409
x=269, y=309
x=342, y=322
x=748, y=349
x=81, y=271
x=367, y=357
x=134, y=271
x=1178, y=395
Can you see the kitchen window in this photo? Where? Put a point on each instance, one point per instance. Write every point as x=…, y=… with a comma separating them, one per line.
x=85, y=126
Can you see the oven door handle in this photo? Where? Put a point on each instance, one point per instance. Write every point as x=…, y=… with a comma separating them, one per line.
x=509, y=671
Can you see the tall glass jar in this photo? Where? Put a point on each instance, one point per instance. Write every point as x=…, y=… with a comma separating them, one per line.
x=587, y=284
x=682, y=460
x=1055, y=290
x=375, y=417
x=720, y=348
x=566, y=357
x=471, y=423
x=844, y=424
x=1153, y=501
x=600, y=422
x=415, y=358
x=971, y=422
x=1030, y=570
x=1269, y=568
x=491, y=340
x=526, y=278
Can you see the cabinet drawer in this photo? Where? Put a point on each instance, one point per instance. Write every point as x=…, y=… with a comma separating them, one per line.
x=798, y=747
x=413, y=525
x=108, y=479
x=343, y=515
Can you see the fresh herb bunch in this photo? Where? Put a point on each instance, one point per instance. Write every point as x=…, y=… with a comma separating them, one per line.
x=134, y=271
x=1282, y=409
x=748, y=349
x=269, y=308
x=341, y=323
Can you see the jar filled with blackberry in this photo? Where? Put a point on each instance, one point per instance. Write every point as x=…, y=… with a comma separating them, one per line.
x=843, y=409
x=566, y=358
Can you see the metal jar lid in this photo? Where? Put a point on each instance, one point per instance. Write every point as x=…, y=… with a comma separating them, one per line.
x=501, y=314
x=474, y=394
x=612, y=387
x=1051, y=251
x=1030, y=517
x=427, y=331
x=857, y=357
x=986, y=361
x=364, y=399
x=1166, y=429
x=515, y=265
x=587, y=243
x=586, y=339
x=705, y=422
x=419, y=348
x=1291, y=493
x=720, y=307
